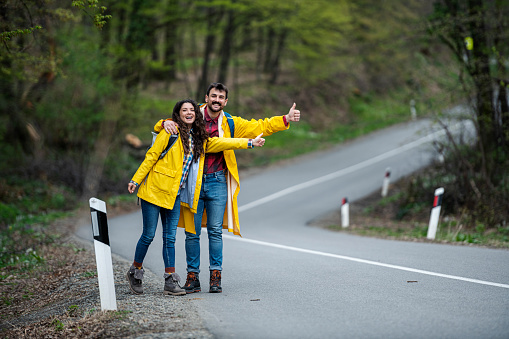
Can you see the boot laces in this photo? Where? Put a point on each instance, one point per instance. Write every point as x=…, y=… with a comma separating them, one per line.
x=215, y=278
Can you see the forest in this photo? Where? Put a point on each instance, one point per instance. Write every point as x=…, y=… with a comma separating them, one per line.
x=83, y=82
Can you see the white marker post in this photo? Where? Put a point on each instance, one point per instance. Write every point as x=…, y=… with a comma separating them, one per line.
x=413, y=111
x=435, y=213
x=345, y=213
x=387, y=180
x=103, y=254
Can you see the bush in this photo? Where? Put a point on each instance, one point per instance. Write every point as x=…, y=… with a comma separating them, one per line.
x=8, y=214
x=469, y=194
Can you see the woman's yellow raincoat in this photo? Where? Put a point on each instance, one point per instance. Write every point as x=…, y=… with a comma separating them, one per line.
x=159, y=179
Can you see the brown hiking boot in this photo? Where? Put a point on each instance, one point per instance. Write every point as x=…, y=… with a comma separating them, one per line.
x=192, y=283
x=134, y=277
x=215, y=282
x=171, y=284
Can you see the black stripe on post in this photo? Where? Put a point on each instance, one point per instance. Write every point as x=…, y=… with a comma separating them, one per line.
x=100, y=226
x=439, y=200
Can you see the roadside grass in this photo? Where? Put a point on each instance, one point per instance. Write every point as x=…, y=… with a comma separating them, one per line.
x=368, y=113
x=20, y=241
x=26, y=242
x=447, y=232
x=403, y=215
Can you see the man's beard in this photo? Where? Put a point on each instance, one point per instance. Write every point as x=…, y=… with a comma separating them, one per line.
x=215, y=103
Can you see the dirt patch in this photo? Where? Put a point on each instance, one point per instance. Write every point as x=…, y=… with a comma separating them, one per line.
x=53, y=301
x=60, y=298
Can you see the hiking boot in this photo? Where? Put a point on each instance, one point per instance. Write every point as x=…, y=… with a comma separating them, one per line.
x=215, y=282
x=171, y=284
x=192, y=283
x=134, y=277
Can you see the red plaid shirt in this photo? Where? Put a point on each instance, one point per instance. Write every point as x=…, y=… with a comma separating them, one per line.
x=213, y=161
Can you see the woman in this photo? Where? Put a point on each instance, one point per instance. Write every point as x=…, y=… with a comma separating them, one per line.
x=164, y=183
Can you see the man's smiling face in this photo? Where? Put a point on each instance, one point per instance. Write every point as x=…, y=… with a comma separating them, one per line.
x=216, y=100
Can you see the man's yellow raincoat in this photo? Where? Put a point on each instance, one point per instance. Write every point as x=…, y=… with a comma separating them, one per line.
x=243, y=129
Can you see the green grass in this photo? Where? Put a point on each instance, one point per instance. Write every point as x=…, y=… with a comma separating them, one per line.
x=449, y=232
x=26, y=199
x=19, y=242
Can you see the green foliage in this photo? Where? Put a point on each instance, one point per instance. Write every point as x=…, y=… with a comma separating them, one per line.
x=119, y=199
x=369, y=114
x=8, y=213
x=94, y=11
x=21, y=242
x=73, y=311
x=6, y=36
x=445, y=233
x=21, y=197
x=463, y=197
x=78, y=98
x=58, y=324
x=89, y=274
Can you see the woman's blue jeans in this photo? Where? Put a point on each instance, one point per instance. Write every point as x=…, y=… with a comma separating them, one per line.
x=213, y=198
x=169, y=220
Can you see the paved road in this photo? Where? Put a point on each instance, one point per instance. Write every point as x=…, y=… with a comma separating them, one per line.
x=284, y=279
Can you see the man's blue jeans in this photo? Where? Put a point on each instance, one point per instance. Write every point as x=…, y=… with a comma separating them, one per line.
x=213, y=198
x=169, y=219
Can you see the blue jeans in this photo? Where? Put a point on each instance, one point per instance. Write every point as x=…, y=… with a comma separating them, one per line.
x=213, y=198
x=169, y=219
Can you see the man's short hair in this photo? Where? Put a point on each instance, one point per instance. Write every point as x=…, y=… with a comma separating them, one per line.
x=219, y=86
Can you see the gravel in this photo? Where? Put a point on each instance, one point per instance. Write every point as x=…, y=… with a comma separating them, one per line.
x=153, y=314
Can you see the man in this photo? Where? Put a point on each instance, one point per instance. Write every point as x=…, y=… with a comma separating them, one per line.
x=220, y=186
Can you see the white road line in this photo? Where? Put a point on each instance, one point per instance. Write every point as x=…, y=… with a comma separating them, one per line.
x=347, y=170
x=363, y=261
x=337, y=174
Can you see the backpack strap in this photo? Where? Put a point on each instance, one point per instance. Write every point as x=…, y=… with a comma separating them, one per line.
x=231, y=123
x=171, y=142
x=229, y=118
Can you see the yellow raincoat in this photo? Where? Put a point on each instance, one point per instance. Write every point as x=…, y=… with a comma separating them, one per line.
x=159, y=179
x=243, y=129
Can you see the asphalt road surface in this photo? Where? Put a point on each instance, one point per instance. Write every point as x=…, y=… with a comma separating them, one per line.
x=284, y=279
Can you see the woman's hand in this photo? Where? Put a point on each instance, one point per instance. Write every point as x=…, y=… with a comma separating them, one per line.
x=131, y=187
x=170, y=127
x=258, y=141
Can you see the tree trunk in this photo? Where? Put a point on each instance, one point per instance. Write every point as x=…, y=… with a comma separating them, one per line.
x=120, y=24
x=277, y=56
x=226, y=47
x=140, y=35
x=259, y=53
x=170, y=57
x=97, y=159
x=268, y=50
x=212, y=19
x=481, y=75
x=502, y=101
x=504, y=115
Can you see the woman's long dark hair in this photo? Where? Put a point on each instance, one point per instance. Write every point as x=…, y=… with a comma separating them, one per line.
x=198, y=129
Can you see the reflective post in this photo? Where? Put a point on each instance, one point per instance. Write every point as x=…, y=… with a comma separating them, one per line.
x=103, y=254
x=435, y=213
x=345, y=213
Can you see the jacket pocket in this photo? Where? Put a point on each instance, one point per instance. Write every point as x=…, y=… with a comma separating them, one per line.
x=163, y=179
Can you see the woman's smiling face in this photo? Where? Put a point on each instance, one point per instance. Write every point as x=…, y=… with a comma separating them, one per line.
x=187, y=113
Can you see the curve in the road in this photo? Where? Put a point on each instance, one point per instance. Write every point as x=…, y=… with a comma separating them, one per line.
x=350, y=169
